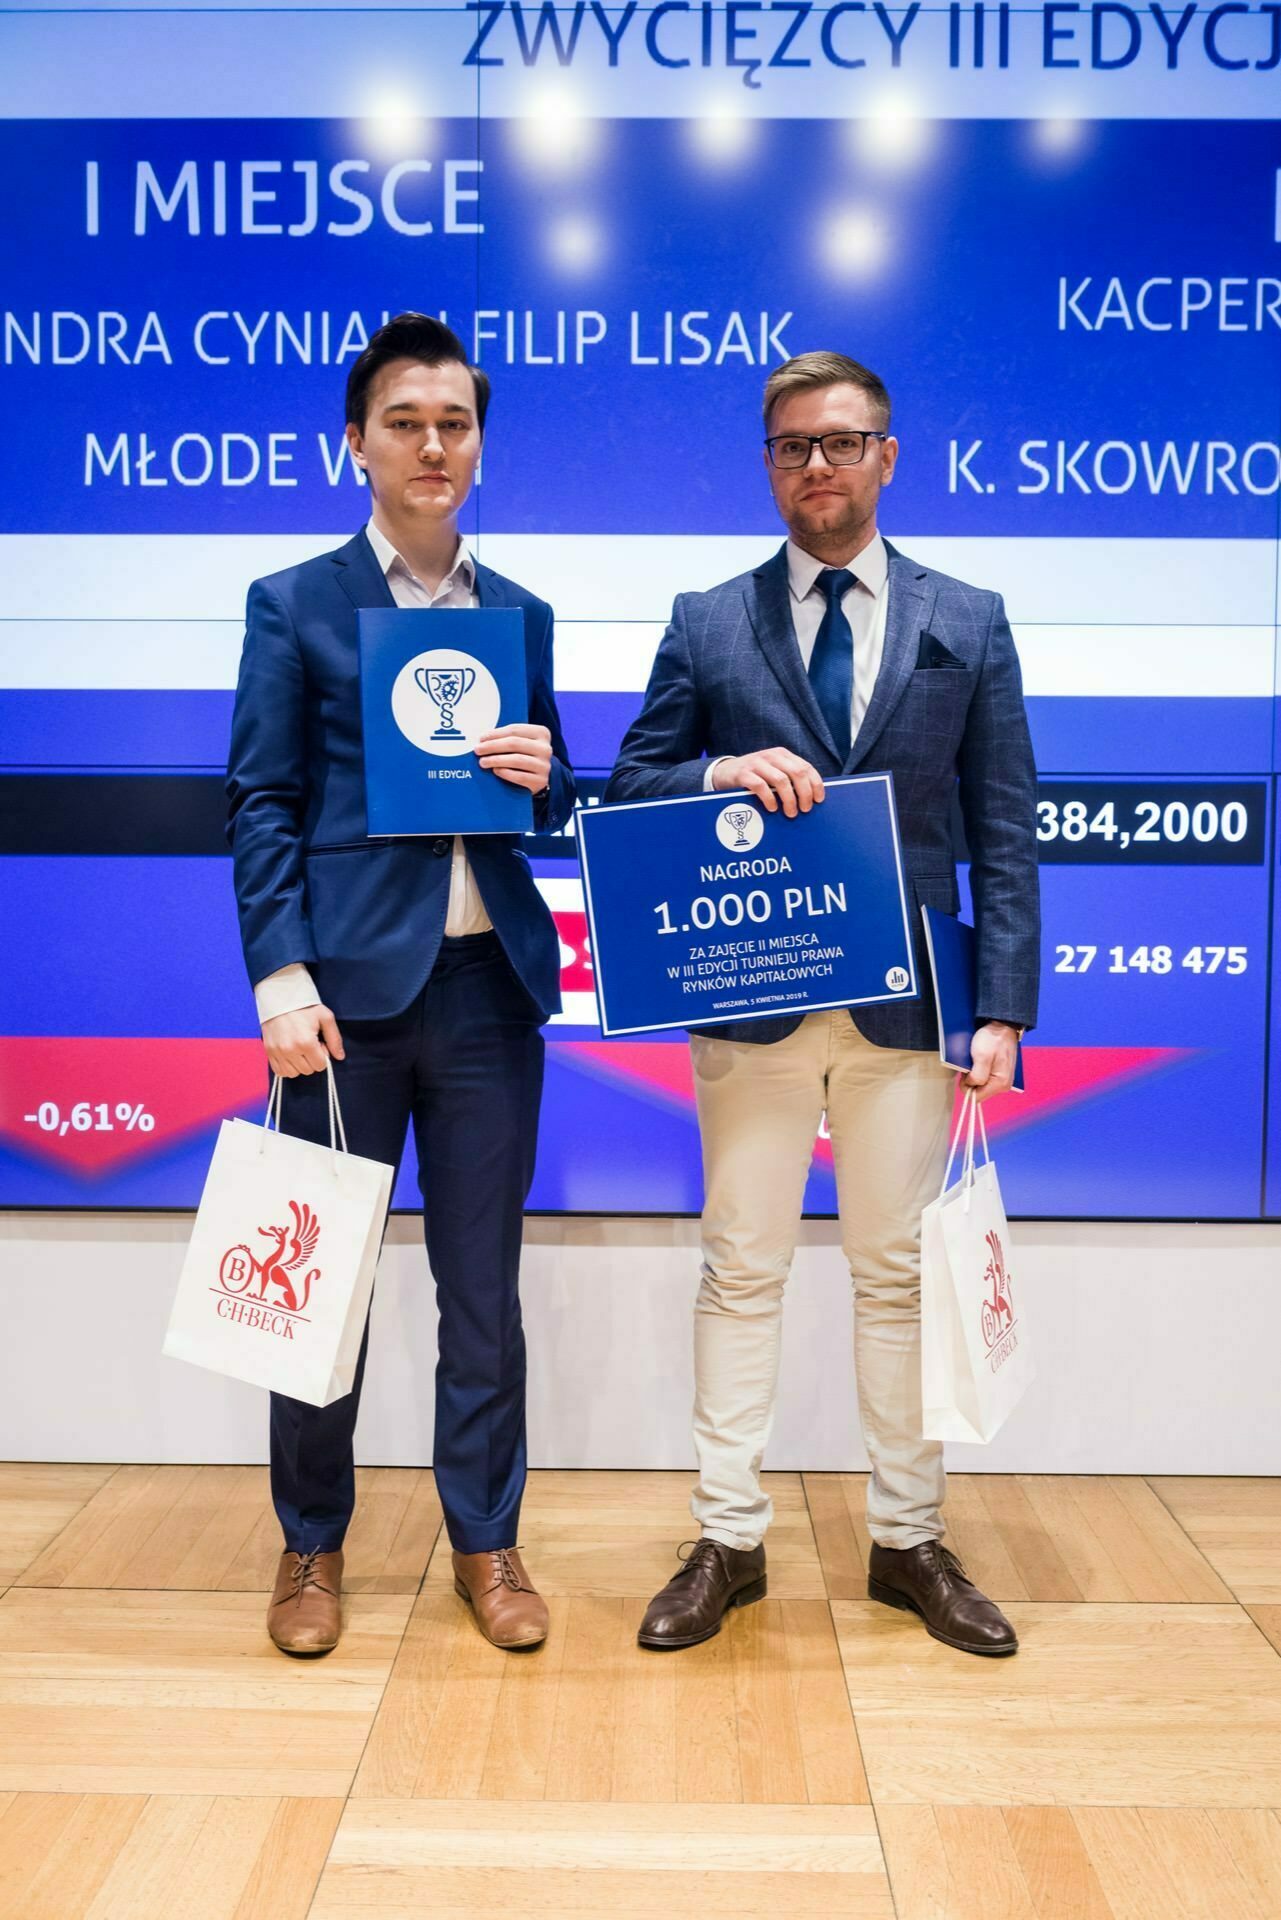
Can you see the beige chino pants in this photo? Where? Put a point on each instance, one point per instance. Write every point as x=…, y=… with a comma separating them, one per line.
x=759, y=1108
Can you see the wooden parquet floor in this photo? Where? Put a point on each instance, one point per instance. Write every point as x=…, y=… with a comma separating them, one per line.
x=821, y=1757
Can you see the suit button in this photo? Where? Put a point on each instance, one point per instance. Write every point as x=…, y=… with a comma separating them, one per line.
x=441, y=847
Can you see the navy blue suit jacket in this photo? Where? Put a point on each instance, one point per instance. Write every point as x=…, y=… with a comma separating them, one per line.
x=365, y=916
x=946, y=710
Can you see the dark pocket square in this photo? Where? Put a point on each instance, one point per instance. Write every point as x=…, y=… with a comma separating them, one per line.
x=932, y=653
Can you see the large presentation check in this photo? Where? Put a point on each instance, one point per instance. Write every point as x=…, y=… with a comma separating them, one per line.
x=711, y=909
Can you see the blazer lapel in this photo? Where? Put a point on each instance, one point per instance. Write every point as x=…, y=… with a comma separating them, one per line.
x=908, y=612
x=489, y=587
x=769, y=608
x=361, y=577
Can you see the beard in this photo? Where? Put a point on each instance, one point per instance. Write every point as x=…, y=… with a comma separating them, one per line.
x=831, y=519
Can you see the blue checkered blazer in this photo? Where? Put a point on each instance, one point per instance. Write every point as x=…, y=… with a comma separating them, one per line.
x=946, y=717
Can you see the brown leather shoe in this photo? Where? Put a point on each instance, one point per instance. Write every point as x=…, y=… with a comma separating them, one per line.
x=305, y=1614
x=931, y=1581
x=509, y=1609
x=712, y=1579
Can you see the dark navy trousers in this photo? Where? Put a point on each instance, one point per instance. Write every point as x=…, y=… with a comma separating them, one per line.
x=464, y=1063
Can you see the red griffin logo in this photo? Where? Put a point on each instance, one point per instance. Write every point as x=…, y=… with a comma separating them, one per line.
x=998, y=1309
x=240, y=1272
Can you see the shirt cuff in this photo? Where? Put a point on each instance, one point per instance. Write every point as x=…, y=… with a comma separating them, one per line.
x=286, y=991
x=710, y=771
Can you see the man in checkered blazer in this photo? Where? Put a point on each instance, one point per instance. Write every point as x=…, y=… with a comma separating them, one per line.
x=840, y=655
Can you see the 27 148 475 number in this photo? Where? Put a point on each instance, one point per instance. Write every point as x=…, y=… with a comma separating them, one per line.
x=1153, y=959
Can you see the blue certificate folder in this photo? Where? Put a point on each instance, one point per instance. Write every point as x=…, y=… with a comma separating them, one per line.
x=710, y=909
x=955, y=968
x=432, y=680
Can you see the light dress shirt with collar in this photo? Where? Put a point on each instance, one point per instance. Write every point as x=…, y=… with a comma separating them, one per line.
x=291, y=988
x=864, y=606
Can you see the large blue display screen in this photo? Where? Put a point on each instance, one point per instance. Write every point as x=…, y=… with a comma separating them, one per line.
x=1056, y=234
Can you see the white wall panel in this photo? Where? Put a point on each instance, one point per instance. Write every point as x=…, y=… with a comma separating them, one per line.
x=1157, y=1350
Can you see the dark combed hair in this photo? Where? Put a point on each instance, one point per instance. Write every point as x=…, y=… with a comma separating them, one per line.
x=410, y=336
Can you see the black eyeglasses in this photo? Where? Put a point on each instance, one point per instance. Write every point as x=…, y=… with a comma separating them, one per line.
x=838, y=449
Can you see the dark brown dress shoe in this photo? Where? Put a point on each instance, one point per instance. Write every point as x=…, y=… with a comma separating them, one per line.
x=931, y=1581
x=509, y=1610
x=305, y=1614
x=712, y=1579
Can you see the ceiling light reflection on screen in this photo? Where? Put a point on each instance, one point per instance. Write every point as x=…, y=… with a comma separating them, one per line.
x=1059, y=137
x=575, y=242
x=893, y=134
x=393, y=126
x=722, y=135
x=552, y=134
x=853, y=243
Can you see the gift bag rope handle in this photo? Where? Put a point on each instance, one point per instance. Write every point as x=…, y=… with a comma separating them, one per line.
x=337, y=1131
x=970, y=1107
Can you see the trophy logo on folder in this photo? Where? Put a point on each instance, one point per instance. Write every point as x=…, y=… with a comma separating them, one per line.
x=443, y=700
x=446, y=686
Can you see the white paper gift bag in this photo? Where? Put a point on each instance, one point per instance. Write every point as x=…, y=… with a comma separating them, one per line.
x=276, y=1283
x=976, y=1361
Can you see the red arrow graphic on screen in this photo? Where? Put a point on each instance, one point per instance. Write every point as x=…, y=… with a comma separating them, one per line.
x=1057, y=1077
x=92, y=1105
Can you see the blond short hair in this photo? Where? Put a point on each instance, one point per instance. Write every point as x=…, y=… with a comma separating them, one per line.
x=807, y=371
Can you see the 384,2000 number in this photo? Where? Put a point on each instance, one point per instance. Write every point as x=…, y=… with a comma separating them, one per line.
x=1152, y=822
x=1175, y=821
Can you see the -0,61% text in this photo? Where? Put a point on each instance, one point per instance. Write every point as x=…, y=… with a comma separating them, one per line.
x=88, y=1116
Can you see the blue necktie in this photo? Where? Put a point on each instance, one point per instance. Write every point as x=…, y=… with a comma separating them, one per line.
x=832, y=661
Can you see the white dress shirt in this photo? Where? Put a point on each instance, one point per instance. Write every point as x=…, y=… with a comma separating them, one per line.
x=864, y=606
x=292, y=987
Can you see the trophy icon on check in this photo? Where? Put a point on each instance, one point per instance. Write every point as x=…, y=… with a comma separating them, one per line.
x=445, y=687
x=740, y=818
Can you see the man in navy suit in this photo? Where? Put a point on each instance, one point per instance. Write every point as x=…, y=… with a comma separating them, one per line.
x=840, y=655
x=423, y=967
